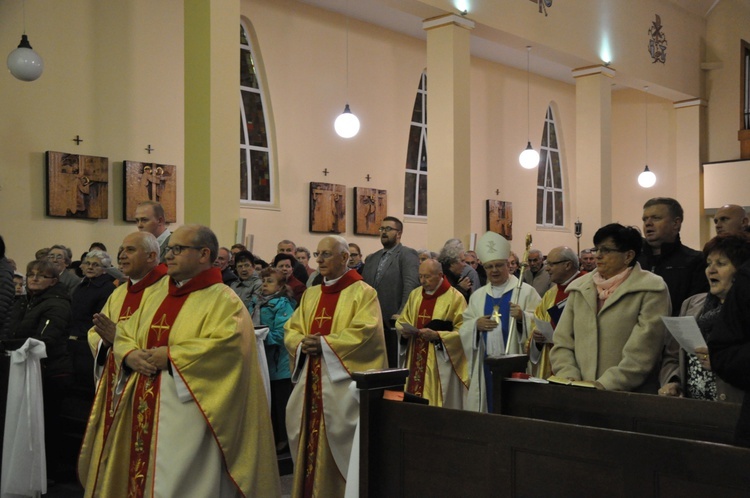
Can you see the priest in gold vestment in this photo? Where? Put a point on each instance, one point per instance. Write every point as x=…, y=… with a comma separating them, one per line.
x=562, y=266
x=139, y=259
x=192, y=419
x=430, y=344
x=336, y=330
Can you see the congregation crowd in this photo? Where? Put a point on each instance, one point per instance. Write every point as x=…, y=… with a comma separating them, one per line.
x=225, y=360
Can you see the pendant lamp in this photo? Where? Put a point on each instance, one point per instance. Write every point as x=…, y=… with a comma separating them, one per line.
x=23, y=62
x=529, y=158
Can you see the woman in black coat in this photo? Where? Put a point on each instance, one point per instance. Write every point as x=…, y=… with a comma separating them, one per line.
x=44, y=314
x=89, y=296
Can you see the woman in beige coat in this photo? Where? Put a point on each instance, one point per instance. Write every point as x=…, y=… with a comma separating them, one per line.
x=611, y=331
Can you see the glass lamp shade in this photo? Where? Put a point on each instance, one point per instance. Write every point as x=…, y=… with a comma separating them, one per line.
x=24, y=63
x=647, y=179
x=529, y=158
x=347, y=124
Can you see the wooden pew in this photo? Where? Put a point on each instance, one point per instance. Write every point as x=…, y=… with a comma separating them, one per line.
x=644, y=413
x=416, y=450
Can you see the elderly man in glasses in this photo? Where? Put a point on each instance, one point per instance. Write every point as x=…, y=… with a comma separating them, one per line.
x=337, y=329
x=562, y=266
x=393, y=272
x=190, y=372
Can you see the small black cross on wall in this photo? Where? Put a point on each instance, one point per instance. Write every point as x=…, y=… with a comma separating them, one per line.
x=497, y=192
x=78, y=140
x=368, y=177
x=325, y=171
x=149, y=148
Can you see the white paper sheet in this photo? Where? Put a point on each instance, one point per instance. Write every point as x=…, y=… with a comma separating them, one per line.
x=685, y=330
x=545, y=328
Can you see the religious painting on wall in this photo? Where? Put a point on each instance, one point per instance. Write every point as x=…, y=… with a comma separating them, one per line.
x=370, y=207
x=327, y=208
x=150, y=182
x=77, y=186
x=500, y=218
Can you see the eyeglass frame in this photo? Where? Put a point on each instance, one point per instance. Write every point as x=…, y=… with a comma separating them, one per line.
x=181, y=248
x=607, y=250
x=324, y=255
x=387, y=229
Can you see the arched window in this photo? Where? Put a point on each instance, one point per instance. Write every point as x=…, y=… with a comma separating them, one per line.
x=256, y=167
x=550, y=190
x=415, y=186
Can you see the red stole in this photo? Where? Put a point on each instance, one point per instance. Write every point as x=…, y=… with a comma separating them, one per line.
x=129, y=306
x=321, y=325
x=420, y=346
x=147, y=388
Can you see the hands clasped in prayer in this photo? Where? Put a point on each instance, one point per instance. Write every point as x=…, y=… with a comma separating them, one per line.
x=105, y=328
x=148, y=361
x=311, y=345
x=426, y=334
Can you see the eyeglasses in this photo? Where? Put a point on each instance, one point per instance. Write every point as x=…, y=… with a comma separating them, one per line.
x=55, y=256
x=606, y=250
x=91, y=265
x=353, y=254
x=31, y=276
x=324, y=254
x=176, y=250
x=386, y=229
x=553, y=263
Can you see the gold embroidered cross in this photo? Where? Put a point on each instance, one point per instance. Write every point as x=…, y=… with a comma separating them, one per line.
x=496, y=314
x=424, y=316
x=160, y=327
x=128, y=313
x=322, y=317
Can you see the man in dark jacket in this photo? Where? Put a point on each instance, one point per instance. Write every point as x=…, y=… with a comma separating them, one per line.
x=682, y=268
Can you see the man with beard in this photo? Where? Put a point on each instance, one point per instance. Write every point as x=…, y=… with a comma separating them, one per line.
x=393, y=272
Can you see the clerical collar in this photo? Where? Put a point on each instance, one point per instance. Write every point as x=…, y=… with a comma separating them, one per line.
x=575, y=276
x=429, y=293
x=333, y=281
x=134, y=281
x=499, y=290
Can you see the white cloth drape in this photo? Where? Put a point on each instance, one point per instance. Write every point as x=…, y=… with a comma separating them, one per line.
x=24, y=472
x=260, y=336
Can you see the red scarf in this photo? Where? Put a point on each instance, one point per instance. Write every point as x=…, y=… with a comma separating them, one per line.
x=147, y=388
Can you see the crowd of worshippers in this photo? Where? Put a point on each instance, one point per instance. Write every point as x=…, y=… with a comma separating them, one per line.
x=229, y=376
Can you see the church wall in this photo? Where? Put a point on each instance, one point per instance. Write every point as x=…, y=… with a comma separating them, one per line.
x=114, y=76
x=588, y=32
x=728, y=24
x=304, y=54
x=629, y=154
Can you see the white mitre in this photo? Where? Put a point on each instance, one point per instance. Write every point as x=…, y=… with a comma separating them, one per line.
x=492, y=246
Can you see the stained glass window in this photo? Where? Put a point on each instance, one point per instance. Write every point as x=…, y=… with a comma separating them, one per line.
x=255, y=155
x=550, y=189
x=415, y=184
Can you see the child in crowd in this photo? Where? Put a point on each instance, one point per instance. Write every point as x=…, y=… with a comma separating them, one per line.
x=272, y=308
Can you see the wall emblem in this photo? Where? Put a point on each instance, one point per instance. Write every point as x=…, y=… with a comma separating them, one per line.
x=657, y=44
x=543, y=5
